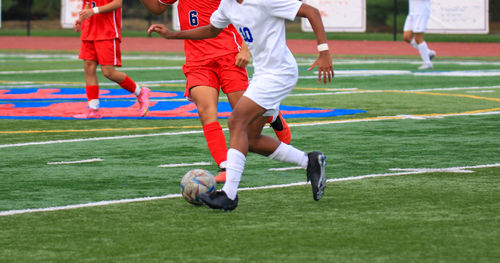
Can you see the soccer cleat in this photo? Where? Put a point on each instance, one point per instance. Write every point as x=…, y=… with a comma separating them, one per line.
x=425, y=66
x=316, y=173
x=221, y=177
x=90, y=114
x=219, y=200
x=143, y=100
x=432, y=54
x=281, y=129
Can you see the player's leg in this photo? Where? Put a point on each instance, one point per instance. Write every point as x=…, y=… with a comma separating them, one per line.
x=109, y=57
x=202, y=88
x=206, y=99
x=88, y=54
x=425, y=53
x=234, y=80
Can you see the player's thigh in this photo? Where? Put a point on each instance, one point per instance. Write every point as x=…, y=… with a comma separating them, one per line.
x=232, y=78
x=269, y=90
x=420, y=23
x=87, y=51
x=108, y=52
x=206, y=99
x=199, y=74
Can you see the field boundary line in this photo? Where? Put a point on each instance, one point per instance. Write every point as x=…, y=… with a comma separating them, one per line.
x=492, y=111
x=407, y=171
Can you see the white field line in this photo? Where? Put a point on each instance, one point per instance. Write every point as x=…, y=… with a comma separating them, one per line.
x=381, y=118
x=355, y=90
x=303, y=61
x=407, y=171
x=338, y=73
x=286, y=168
x=99, y=138
x=183, y=164
x=81, y=161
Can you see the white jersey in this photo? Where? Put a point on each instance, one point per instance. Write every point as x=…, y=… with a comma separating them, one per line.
x=419, y=7
x=261, y=23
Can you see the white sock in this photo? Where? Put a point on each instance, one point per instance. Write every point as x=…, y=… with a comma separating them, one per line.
x=94, y=104
x=414, y=43
x=424, y=53
x=137, y=90
x=290, y=154
x=234, y=169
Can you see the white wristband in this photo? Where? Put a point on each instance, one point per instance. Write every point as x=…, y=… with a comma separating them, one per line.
x=96, y=10
x=322, y=47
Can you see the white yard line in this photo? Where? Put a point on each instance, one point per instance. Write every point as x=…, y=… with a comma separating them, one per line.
x=183, y=164
x=381, y=118
x=80, y=161
x=406, y=171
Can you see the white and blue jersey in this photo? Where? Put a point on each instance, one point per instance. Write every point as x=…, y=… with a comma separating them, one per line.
x=261, y=23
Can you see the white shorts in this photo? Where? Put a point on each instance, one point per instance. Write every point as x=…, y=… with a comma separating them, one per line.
x=416, y=23
x=269, y=90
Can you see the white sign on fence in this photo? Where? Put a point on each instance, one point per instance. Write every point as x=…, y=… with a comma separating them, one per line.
x=339, y=15
x=69, y=12
x=459, y=17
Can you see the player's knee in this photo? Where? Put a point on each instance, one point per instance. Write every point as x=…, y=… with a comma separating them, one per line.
x=108, y=73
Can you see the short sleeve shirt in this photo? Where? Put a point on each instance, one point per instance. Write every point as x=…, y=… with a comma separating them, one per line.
x=196, y=13
x=261, y=24
x=106, y=25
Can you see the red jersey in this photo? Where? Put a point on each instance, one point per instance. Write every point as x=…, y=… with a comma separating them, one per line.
x=102, y=26
x=195, y=13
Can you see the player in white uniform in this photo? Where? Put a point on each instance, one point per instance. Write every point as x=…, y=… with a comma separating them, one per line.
x=414, y=28
x=261, y=23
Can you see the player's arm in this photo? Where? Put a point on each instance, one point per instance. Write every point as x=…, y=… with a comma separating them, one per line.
x=157, y=7
x=198, y=33
x=243, y=57
x=324, y=61
x=88, y=12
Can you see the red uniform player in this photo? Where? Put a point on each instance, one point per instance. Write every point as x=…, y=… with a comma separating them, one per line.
x=100, y=25
x=212, y=65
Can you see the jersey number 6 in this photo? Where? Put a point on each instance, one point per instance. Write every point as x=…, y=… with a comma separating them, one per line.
x=193, y=18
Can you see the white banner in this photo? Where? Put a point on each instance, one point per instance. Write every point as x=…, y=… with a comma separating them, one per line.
x=459, y=17
x=339, y=15
x=69, y=12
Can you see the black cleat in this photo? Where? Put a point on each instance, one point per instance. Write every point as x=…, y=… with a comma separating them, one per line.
x=219, y=200
x=316, y=173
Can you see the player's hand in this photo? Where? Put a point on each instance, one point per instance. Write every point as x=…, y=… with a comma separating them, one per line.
x=86, y=12
x=325, y=67
x=243, y=57
x=160, y=29
x=78, y=25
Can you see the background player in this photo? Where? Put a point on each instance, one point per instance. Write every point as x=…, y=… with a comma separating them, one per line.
x=213, y=64
x=415, y=25
x=100, y=25
x=262, y=25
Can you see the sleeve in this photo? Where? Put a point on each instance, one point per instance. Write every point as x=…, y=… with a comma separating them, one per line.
x=218, y=19
x=167, y=2
x=286, y=9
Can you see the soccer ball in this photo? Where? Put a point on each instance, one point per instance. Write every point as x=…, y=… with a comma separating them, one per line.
x=197, y=182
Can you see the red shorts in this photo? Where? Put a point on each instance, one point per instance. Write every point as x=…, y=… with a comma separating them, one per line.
x=105, y=52
x=218, y=73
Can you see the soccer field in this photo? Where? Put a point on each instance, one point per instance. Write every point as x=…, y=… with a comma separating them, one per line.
x=413, y=167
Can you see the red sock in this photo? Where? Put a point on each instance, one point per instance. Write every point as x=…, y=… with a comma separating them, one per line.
x=128, y=84
x=270, y=119
x=216, y=141
x=92, y=92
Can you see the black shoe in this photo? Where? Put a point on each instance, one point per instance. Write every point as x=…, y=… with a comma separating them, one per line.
x=219, y=200
x=316, y=173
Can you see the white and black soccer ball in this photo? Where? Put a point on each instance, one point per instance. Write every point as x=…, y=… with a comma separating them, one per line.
x=197, y=182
